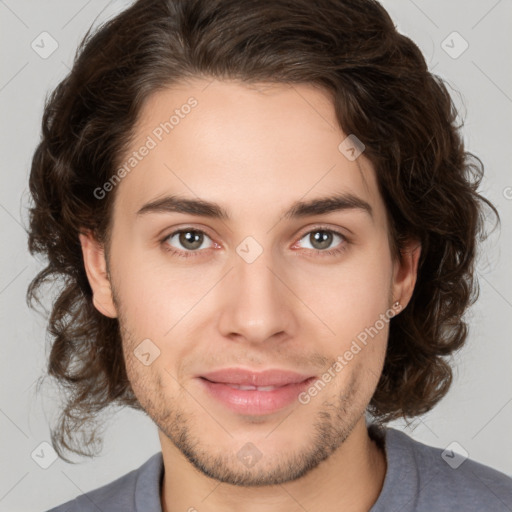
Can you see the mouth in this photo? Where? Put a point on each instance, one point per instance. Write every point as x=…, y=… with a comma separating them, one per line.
x=268, y=378
x=249, y=388
x=260, y=397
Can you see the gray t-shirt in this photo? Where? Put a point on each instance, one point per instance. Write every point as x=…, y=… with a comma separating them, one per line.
x=419, y=478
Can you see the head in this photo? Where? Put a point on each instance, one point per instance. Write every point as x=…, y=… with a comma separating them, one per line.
x=253, y=128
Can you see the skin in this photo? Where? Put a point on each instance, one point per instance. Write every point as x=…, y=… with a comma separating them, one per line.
x=254, y=150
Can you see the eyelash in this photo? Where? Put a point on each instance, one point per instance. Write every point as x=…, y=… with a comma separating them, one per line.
x=188, y=254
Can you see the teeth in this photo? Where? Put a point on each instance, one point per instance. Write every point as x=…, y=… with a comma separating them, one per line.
x=252, y=388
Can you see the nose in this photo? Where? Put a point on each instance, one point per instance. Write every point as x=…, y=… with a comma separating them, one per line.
x=256, y=303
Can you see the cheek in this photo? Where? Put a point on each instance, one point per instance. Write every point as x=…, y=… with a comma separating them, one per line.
x=352, y=295
x=163, y=303
x=152, y=296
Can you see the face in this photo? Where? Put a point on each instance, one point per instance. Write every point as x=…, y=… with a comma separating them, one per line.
x=281, y=281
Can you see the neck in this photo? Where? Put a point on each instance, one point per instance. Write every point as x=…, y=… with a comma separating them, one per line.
x=350, y=479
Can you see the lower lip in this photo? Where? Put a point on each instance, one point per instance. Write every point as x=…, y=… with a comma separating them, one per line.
x=254, y=401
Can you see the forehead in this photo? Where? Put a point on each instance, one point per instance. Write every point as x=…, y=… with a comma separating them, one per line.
x=249, y=147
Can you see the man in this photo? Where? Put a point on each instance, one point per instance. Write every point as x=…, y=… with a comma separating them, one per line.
x=267, y=223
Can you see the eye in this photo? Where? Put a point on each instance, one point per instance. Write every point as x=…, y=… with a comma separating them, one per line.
x=189, y=240
x=321, y=240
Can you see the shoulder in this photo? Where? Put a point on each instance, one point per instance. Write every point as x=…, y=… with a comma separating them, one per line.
x=440, y=479
x=137, y=490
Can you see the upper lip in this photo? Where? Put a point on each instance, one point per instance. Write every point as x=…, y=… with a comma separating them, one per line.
x=274, y=377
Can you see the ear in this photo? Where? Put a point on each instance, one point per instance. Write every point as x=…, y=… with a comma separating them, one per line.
x=96, y=270
x=406, y=271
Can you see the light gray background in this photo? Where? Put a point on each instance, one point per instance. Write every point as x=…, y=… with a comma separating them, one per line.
x=477, y=413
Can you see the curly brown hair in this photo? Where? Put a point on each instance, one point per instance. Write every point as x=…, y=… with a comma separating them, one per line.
x=382, y=92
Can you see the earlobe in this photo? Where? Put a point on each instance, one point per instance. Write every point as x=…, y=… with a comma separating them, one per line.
x=97, y=275
x=406, y=272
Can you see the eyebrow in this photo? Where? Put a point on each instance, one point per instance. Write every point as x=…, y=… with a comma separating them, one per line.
x=299, y=209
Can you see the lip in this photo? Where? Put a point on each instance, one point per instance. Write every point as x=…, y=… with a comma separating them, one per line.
x=240, y=376
x=287, y=386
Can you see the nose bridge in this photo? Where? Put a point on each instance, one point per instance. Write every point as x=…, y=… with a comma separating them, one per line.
x=256, y=305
